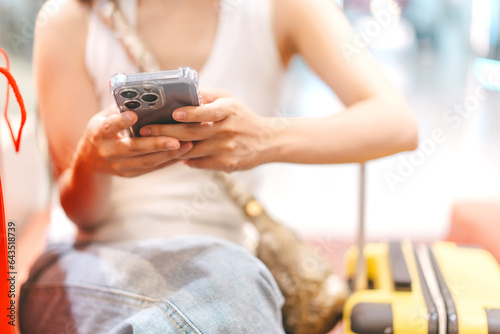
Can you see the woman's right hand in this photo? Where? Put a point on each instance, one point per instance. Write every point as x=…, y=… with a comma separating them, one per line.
x=106, y=148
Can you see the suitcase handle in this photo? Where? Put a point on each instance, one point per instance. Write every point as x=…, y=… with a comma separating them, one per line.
x=361, y=278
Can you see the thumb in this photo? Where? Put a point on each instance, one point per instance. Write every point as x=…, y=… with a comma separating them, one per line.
x=109, y=122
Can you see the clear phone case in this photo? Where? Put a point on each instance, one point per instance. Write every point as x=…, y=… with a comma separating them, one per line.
x=155, y=95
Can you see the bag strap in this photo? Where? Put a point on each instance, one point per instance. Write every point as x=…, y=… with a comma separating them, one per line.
x=111, y=14
x=140, y=54
x=12, y=83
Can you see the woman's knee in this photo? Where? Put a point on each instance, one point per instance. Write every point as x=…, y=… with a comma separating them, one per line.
x=243, y=290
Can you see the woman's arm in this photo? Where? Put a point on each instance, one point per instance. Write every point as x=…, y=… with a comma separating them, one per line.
x=85, y=145
x=377, y=120
x=66, y=103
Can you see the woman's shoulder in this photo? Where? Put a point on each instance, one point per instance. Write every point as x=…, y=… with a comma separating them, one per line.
x=60, y=31
x=64, y=20
x=291, y=18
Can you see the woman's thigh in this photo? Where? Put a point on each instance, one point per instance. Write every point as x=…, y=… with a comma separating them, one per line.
x=189, y=284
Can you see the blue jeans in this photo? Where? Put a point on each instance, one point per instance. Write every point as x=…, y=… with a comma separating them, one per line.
x=185, y=285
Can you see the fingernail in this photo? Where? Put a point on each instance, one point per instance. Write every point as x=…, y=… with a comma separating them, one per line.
x=128, y=117
x=172, y=145
x=145, y=132
x=179, y=115
x=186, y=147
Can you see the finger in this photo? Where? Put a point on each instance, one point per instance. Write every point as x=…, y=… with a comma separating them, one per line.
x=211, y=112
x=148, y=161
x=182, y=132
x=212, y=163
x=209, y=95
x=111, y=125
x=138, y=172
x=211, y=147
x=135, y=146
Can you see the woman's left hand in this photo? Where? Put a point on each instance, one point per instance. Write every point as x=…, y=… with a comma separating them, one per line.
x=226, y=134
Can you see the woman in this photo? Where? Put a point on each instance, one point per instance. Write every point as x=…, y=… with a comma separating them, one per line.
x=141, y=264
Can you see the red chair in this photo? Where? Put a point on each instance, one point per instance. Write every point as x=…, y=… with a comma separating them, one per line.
x=477, y=223
x=8, y=273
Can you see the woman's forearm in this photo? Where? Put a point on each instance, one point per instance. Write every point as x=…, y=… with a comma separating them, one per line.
x=84, y=194
x=367, y=130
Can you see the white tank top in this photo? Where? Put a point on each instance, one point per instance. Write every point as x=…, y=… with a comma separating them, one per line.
x=178, y=199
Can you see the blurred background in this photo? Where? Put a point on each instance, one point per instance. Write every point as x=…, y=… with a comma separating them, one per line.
x=442, y=54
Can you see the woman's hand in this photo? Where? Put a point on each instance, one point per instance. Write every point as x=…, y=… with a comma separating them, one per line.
x=105, y=149
x=227, y=135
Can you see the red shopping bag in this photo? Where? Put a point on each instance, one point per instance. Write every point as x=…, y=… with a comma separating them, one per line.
x=8, y=286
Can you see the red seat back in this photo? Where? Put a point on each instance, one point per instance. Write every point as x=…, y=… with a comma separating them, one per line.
x=8, y=275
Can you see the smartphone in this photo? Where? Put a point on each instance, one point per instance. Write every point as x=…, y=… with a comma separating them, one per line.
x=154, y=96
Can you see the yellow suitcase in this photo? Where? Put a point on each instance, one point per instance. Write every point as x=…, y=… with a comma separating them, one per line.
x=442, y=289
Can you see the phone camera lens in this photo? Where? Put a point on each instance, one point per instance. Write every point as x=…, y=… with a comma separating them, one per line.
x=132, y=104
x=149, y=97
x=128, y=94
